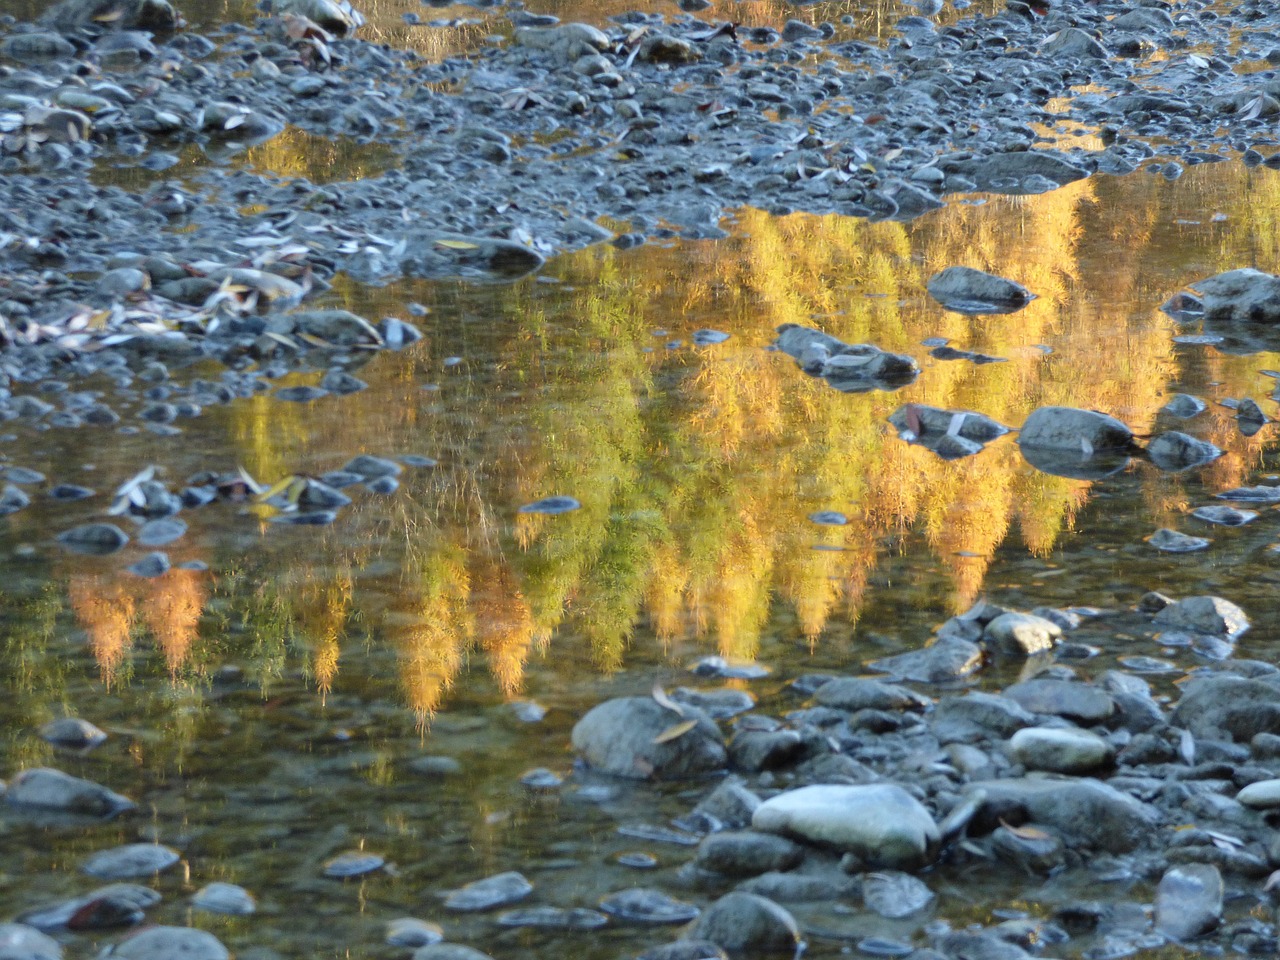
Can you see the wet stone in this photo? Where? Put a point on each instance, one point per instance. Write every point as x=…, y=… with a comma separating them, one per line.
x=1061, y=750
x=131, y=860
x=115, y=905
x=708, y=337
x=13, y=499
x=383, y=485
x=369, y=467
x=155, y=564
x=748, y=923
x=554, y=918
x=412, y=932
x=1189, y=901
x=157, y=533
x=747, y=853
x=224, y=898
x=1208, y=615
x=168, y=943
x=496, y=891
x=354, y=863
x=643, y=905
x=21, y=942
x=1064, y=698
x=637, y=860
x=1171, y=541
x=1224, y=516
x=23, y=476
x=94, y=539
x=72, y=733
x=894, y=894
x=70, y=492
x=42, y=787
x=310, y=518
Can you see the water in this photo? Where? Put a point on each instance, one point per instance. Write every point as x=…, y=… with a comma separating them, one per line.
x=275, y=711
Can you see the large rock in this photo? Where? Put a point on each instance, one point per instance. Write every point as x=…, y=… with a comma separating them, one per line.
x=966, y=290
x=956, y=718
x=1209, y=615
x=950, y=434
x=1024, y=634
x=1228, y=707
x=639, y=738
x=1085, y=811
x=747, y=923
x=1175, y=451
x=945, y=660
x=1068, y=428
x=49, y=789
x=1073, y=42
x=1079, y=702
x=336, y=16
x=169, y=943
x=1189, y=901
x=747, y=853
x=1059, y=750
x=158, y=16
x=857, y=693
x=850, y=368
x=1246, y=295
x=20, y=942
x=881, y=823
x=1010, y=172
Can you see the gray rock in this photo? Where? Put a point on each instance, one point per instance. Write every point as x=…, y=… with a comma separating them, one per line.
x=36, y=46
x=1174, y=451
x=986, y=711
x=1029, y=848
x=747, y=923
x=130, y=860
x=225, y=898
x=1085, y=811
x=1261, y=795
x=881, y=824
x=115, y=905
x=747, y=853
x=855, y=693
x=948, y=433
x=1171, y=541
x=1005, y=172
x=72, y=733
x=169, y=943
x=1209, y=615
x=1079, y=702
x=336, y=16
x=945, y=660
x=338, y=327
x=639, y=738
x=850, y=368
x=1228, y=707
x=894, y=894
x=1068, y=428
x=155, y=15
x=1184, y=406
x=967, y=290
x=1189, y=901
x=21, y=942
x=497, y=891
x=94, y=539
x=1023, y=634
x=731, y=803
x=799, y=887
x=449, y=951
x=641, y=905
x=1059, y=750
x=49, y=789
x=1073, y=42
x=757, y=750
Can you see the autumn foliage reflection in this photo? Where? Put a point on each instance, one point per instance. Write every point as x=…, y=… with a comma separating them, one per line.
x=698, y=467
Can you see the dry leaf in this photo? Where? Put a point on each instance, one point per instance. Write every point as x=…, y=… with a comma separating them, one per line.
x=1026, y=833
x=675, y=732
x=458, y=244
x=661, y=697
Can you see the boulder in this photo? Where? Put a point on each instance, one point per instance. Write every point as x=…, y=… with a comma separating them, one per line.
x=1208, y=615
x=1189, y=901
x=747, y=853
x=1078, y=702
x=1008, y=172
x=1175, y=451
x=1244, y=306
x=1085, y=811
x=856, y=693
x=48, y=789
x=1073, y=42
x=949, y=433
x=158, y=16
x=747, y=923
x=639, y=738
x=850, y=368
x=1228, y=707
x=881, y=823
x=20, y=942
x=943, y=661
x=1059, y=750
x=956, y=717
x=1023, y=634
x=966, y=290
x=1068, y=428
x=169, y=943
x=336, y=16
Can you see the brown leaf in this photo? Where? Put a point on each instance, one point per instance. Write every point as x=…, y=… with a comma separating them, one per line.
x=1026, y=833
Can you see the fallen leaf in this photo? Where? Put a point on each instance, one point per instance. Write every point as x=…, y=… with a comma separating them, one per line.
x=675, y=732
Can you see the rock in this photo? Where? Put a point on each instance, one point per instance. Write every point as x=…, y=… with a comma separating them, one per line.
x=1224, y=516
x=72, y=733
x=1261, y=795
x=169, y=943
x=496, y=891
x=731, y=803
x=553, y=918
x=154, y=564
x=94, y=539
x=1007, y=172
x=21, y=942
x=569, y=41
x=336, y=16
x=432, y=254
x=757, y=750
x=115, y=905
x=894, y=894
x=48, y=789
x=685, y=950
x=1209, y=615
x=1029, y=848
x=881, y=824
x=158, y=16
x=1059, y=750
x=1189, y=901
x=939, y=430
x=36, y=47
x=1085, y=811
x=449, y=951
x=1243, y=296
x=338, y=327
x=795, y=31
x=1171, y=541
x=1174, y=451
x=966, y=290
x=1067, y=428
x=1078, y=702
x=747, y=853
x=130, y=860
x=797, y=887
x=985, y=711
x=353, y=863
x=1073, y=42
x=371, y=468
x=641, y=905
x=850, y=368
x=945, y=660
x=1023, y=634
x=855, y=693
x=639, y=738
x=664, y=48
x=1227, y=707
x=13, y=499
x=225, y=898
x=1184, y=406
x=747, y=923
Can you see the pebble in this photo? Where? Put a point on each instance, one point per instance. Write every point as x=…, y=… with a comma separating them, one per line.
x=131, y=860
x=224, y=898
x=354, y=863
x=412, y=932
x=496, y=891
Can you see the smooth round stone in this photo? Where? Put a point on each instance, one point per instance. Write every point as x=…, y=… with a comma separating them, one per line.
x=744, y=922
x=554, y=918
x=1061, y=751
x=496, y=891
x=72, y=733
x=895, y=895
x=1226, y=516
x=158, y=533
x=225, y=898
x=20, y=942
x=1171, y=541
x=707, y=337
x=131, y=860
x=1022, y=633
x=881, y=824
x=540, y=778
x=355, y=863
x=641, y=905
x=449, y=951
x=170, y=943
x=1263, y=795
x=551, y=505
x=412, y=932
x=637, y=860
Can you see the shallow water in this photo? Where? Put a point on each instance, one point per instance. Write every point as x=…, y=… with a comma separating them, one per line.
x=267, y=713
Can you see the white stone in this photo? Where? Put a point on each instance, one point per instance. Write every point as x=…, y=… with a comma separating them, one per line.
x=1263, y=795
x=1061, y=750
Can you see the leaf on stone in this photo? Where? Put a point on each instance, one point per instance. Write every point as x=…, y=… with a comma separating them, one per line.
x=109, y=16
x=1026, y=833
x=457, y=244
x=662, y=699
x=675, y=732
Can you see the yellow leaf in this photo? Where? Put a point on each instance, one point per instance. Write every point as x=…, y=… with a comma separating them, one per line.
x=458, y=244
x=109, y=17
x=1026, y=833
x=675, y=732
x=661, y=697
x=278, y=488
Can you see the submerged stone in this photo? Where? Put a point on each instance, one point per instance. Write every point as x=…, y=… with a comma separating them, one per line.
x=496, y=891
x=966, y=290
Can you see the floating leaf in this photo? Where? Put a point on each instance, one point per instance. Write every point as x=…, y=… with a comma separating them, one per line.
x=675, y=732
